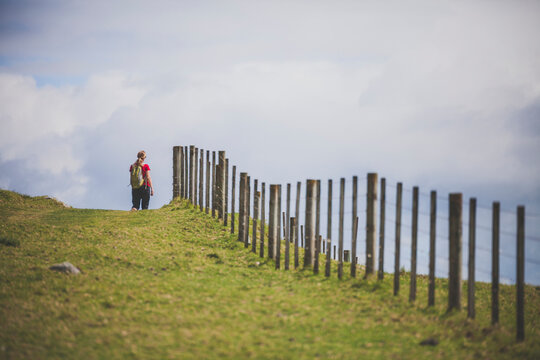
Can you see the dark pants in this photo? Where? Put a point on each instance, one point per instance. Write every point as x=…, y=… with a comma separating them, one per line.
x=139, y=195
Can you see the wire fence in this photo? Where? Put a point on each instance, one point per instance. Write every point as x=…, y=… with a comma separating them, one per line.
x=431, y=239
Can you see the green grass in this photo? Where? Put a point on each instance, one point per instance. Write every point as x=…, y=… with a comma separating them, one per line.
x=173, y=283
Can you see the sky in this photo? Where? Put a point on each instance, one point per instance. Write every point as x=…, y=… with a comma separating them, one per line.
x=443, y=95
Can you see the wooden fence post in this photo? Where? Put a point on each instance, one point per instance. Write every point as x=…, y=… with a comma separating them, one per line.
x=414, y=244
x=310, y=222
x=297, y=210
x=226, y=195
x=355, y=234
x=181, y=172
x=255, y=216
x=263, y=219
x=207, y=197
x=346, y=254
x=233, y=198
x=455, y=239
x=288, y=218
x=195, y=176
x=397, y=250
x=278, y=239
x=382, y=222
x=294, y=238
x=201, y=181
x=495, y=264
x=354, y=216
x=191, y=172
x=341, y=219
x=214, y=184
x=432, y=245
x=186, y=172
x=472, y=254
x=371, y=222
x=242, y=206
x=176, y=156
x=329, y=230
x=520, y=275
x=317, y=247
x=287, y=244
x=220, y=186
x=247, y=200
x=273, y=217
x=302, y=236
x=255, y=220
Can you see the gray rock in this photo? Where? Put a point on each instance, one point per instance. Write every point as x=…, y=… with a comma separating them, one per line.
x=429, y=342
x=66, y=268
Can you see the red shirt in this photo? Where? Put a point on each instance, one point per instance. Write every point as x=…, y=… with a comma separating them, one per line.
x=145, y=169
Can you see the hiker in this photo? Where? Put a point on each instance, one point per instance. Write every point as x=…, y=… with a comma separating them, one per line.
x=141, y=183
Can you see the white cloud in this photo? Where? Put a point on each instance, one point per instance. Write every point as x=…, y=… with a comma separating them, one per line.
x=41, y=126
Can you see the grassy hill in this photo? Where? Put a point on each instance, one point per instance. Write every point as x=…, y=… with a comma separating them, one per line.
x=173, y=283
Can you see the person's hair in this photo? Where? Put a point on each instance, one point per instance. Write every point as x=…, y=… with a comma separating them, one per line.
x=141, y=155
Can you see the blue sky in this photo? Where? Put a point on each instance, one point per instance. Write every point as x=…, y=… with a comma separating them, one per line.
x=441, y=95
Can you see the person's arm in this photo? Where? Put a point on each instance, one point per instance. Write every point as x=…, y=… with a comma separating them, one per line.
x=150, y=183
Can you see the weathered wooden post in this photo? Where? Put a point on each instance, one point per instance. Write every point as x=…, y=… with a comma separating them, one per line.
x=414, y=244
x=297, y=210
x=273, y=218
x=495, y=264
x=255, y=216
x=455, y=239
x=355, y=233
x=397, y=250
x=278, y=244
x=432, y=245
x=247, y=199
x=318, y=213
x=233, y=198
x=256, y=202
x=176, y=156
x=287, y=244
x=195, y=176
x=207, y=197
x=293, y=230
x=191, y=173
x=317, y=252
x=294, y=238
x=220, y=185
x=520, y=275
x=317, y=247
x=214, y=184
x=186, y=172
x=242, y=206
x=181, y=171
x=226, y=194
x=371, y=205
x=382, y=221
x=263, y=219
x=472, y=254
x=341, y=219
x=310, y=222
x=354, y=216
x=329, y=231
x=201, y=180
x=288, y=218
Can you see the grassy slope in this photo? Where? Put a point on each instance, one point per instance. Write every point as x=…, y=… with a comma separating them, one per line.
x=172, y=283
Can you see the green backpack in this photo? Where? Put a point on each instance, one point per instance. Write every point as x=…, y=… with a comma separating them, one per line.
x=136, y=177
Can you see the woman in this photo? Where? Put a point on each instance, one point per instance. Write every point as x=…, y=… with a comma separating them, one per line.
x=142, y=193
